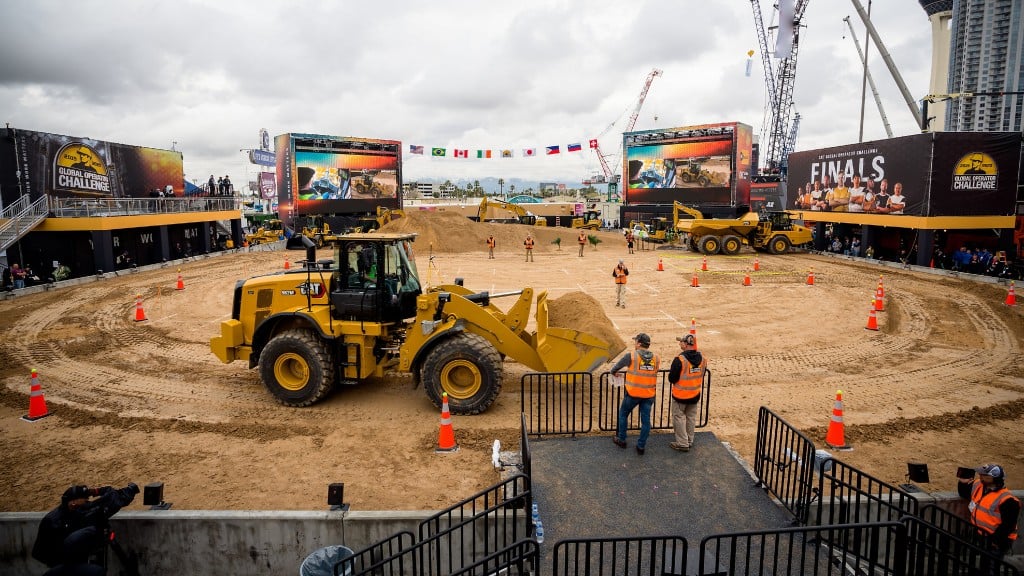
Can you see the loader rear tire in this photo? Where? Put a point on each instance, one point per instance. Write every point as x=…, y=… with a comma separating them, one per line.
x=296, y=368
x=468, y=368
x=731, y=245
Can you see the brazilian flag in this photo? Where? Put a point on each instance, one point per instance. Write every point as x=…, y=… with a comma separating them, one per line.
x=437, y=151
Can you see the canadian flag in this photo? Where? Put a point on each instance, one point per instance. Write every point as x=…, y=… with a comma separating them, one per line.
x=593, y=143
x=462, y=153
x=529, y=151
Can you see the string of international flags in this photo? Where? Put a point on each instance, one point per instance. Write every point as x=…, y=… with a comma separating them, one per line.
x=498, y=153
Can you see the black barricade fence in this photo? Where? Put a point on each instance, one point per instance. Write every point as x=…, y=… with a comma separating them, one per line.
x=610, y=397
x=519, y=559
x=475, y=527
x=372, y=556
x=526, y=455
x=849, y=495
x=557, y=403
x=784, y=463
x=662, y=555
x=809, y=551
x=933, y=549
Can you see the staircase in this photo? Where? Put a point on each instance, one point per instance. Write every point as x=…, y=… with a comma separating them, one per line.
x=20, y=218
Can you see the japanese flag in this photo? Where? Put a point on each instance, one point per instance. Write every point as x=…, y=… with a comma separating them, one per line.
x=529, y=151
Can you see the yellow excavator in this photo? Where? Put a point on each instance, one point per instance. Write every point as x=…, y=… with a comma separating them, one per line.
x=339, y=321
x=520, y=215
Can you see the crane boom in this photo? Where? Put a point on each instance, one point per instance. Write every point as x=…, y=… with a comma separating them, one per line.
x=871, y=81
x=892, y=65
x=596, y=146
x=762, y=39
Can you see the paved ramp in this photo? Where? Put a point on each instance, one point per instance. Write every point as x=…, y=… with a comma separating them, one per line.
x=589, y=488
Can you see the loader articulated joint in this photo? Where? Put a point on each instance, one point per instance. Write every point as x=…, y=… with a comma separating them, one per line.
x=442, y=299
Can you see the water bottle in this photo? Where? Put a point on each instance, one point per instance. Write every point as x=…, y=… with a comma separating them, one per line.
x=536, y=515
x=540, y=532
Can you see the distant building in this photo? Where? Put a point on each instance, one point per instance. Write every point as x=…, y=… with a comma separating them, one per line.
x=986, y=54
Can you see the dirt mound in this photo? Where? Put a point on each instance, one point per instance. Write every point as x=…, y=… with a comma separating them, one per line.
x=449, y=232
x=582, y=312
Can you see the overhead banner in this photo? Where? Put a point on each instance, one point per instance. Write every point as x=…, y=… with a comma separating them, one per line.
x=933, y=174
x=262, y=157
x=69, y=166
x=268, y=185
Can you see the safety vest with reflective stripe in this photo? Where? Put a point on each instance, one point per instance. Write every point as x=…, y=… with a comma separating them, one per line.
x=528, y=243
x=690, y=379
x=984, y=509
x=582, y=238
x=642, y=378
x=490, y=242
x=620, y=275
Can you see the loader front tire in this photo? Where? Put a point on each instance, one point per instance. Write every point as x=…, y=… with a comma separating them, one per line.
x=296, y=368
x=468, y=368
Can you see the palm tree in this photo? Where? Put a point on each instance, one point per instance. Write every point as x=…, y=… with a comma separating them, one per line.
x=501, y=188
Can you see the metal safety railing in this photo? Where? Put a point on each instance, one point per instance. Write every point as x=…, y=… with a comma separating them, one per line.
x=557, y=403
x=784, y=460
x=371, y=556
x=851, y=495
x=610, y=397
x=662, y=555
x=935, y=549
x=100, y=207
x=809, y=551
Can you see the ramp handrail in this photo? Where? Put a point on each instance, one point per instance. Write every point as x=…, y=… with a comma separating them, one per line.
x=371, y=556
x=937, y=550
x=20, y=218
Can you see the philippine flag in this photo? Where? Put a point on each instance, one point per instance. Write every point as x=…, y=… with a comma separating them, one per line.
x=413, y=149
x=552, y=150
x=462, y=153
x=574, y=147
x=593, y=143
x=529, y=151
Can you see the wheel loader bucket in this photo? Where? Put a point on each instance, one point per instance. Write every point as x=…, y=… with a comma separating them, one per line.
x=564, y=349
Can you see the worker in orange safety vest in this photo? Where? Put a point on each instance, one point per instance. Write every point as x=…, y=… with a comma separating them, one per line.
x=993, y=509
x=528, y=243
x=490, y=247
x=641, y=383
x=620, y=273
x=686, y=376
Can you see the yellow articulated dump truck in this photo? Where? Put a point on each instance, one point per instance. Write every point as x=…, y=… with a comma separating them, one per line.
x=772, y=232
x=338, y=321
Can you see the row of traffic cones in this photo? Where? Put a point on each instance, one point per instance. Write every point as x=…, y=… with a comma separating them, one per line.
x=140, y=314
x=877, y=305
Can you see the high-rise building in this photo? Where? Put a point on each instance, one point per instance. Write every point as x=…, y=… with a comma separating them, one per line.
x=986, y=54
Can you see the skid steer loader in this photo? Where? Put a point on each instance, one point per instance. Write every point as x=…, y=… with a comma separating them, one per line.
x=342, y=320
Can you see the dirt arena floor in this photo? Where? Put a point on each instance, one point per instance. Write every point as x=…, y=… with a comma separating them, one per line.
x=941, y=382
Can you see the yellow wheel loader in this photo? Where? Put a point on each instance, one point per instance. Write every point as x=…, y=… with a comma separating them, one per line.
x=342, y=320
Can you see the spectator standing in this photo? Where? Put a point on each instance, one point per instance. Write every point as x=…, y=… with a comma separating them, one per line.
x=686, y=376
x=211, y=186
x=19, y=275
x=641, y=383
x=620, y=273
x=227, y=186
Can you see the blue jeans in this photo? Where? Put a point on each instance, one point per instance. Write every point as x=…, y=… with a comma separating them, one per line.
x=627, y=406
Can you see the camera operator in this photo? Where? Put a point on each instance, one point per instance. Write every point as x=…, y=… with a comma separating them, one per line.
x=76, y=529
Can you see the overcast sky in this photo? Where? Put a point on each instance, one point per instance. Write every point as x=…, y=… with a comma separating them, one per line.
x=209, y=74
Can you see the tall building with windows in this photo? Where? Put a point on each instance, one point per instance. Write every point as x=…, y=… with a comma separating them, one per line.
x=986, y=54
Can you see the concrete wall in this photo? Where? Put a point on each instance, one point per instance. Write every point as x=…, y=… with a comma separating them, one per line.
x=173, y=542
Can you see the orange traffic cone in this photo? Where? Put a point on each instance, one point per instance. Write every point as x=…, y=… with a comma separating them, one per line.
x=693, y=331
x=661, y=267
x=881, y=290
x=746, y=279
x=810, y=277
x=704, y=264
x=872, y=318
x=879, y=305
x=757, y=264
x=446, y=436
x=836, y=437
x=695, y=283
x=1011, y=298
x=287, y=264
x=140, y=315
x=181, y=283
x=36, y=401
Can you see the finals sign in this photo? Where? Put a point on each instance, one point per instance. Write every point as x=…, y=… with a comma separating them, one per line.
x=79, y=169
x=975, y=171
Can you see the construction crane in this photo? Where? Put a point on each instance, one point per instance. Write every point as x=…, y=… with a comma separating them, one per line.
x=794, y=131
x=609, y=175
x=779, y=86
x=871, y=81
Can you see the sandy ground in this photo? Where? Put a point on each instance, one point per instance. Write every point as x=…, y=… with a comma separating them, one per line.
x=941, y=382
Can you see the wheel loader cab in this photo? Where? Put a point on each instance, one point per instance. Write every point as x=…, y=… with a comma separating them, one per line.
x=376, y=279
